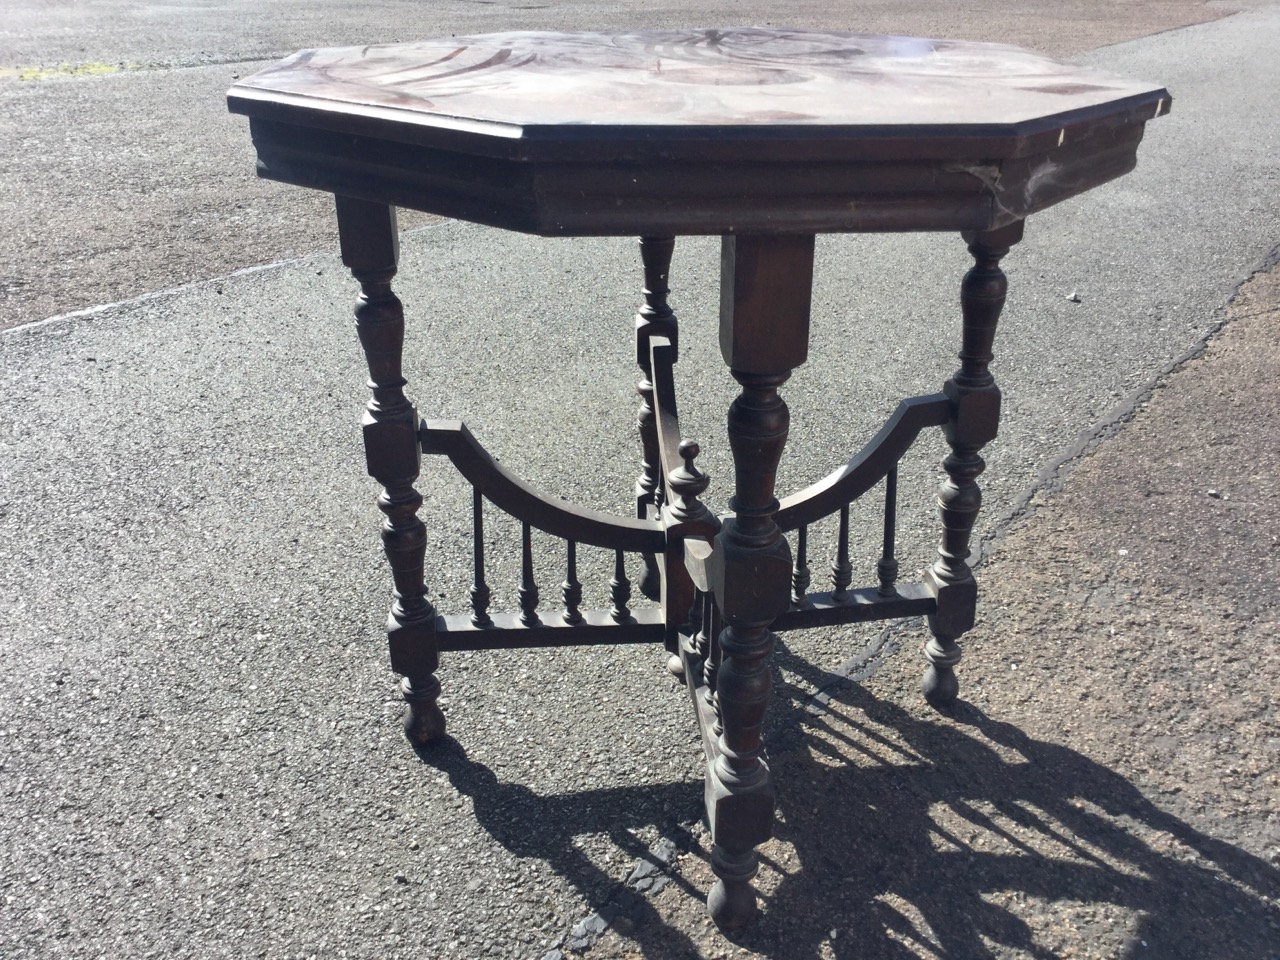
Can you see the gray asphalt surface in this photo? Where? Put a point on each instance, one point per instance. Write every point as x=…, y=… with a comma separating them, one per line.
x=199, y=752
x=49, y=33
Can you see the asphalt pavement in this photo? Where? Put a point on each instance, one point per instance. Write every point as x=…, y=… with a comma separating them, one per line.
x=200, y=754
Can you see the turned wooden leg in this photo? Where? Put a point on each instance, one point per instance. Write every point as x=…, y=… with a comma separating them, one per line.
x=370, y=248
x=654, y=318
x=764, y=326
x=973, y=422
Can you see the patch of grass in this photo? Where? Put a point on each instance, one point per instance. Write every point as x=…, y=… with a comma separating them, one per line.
x=65, y=70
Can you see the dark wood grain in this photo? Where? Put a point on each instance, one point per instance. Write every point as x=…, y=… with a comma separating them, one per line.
x=451, y=438
x=866, y=468
x=684, y=516
x=543, y=87
x=507, y=632
x=764, y=329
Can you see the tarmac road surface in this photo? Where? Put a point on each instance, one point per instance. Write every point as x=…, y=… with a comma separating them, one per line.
x=199, y=750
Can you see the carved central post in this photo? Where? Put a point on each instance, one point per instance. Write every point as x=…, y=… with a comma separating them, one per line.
x=765, y=292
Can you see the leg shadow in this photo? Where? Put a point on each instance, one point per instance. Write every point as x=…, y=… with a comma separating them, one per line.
x=920, y=838
x=529, y=824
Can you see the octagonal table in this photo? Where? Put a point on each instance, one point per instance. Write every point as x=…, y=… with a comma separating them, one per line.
x=765, y=138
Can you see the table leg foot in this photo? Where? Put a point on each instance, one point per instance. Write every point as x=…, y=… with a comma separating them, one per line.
x=423, y=721
x=940, y=686
x=732, y=900
x=675, y=667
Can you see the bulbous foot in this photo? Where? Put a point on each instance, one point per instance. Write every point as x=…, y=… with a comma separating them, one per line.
x=423, y=721
x=940, y=686
x=732, y=906
x=675, y=667
x=732, y=901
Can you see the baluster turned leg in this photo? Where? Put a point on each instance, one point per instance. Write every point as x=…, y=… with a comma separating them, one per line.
x=370, y=248
x=842, y=569
x=974, y=420
x=764, y=329
x=654, y=318
x=801, y=576
x=887, y=567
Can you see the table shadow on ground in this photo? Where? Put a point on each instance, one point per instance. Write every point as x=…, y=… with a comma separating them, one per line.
x=956, y=836
x=529, y=824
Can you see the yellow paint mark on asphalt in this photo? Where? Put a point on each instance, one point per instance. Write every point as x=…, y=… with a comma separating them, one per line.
x=65, y=70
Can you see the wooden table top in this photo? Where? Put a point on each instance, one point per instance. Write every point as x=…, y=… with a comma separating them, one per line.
x=711, y=102
x=690, y=80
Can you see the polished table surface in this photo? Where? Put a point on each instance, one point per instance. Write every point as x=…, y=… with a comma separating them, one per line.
x=767, y=138
x=698, y=131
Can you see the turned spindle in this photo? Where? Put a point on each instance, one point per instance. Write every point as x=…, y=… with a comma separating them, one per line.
x=528, y=594
x=571, y=589
x=481, y=595
x=711, y=667
x=842, y=569
x=686, y=512
x=800, y=575
x=700, y=638
x=887, y=567
x=620, y=590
